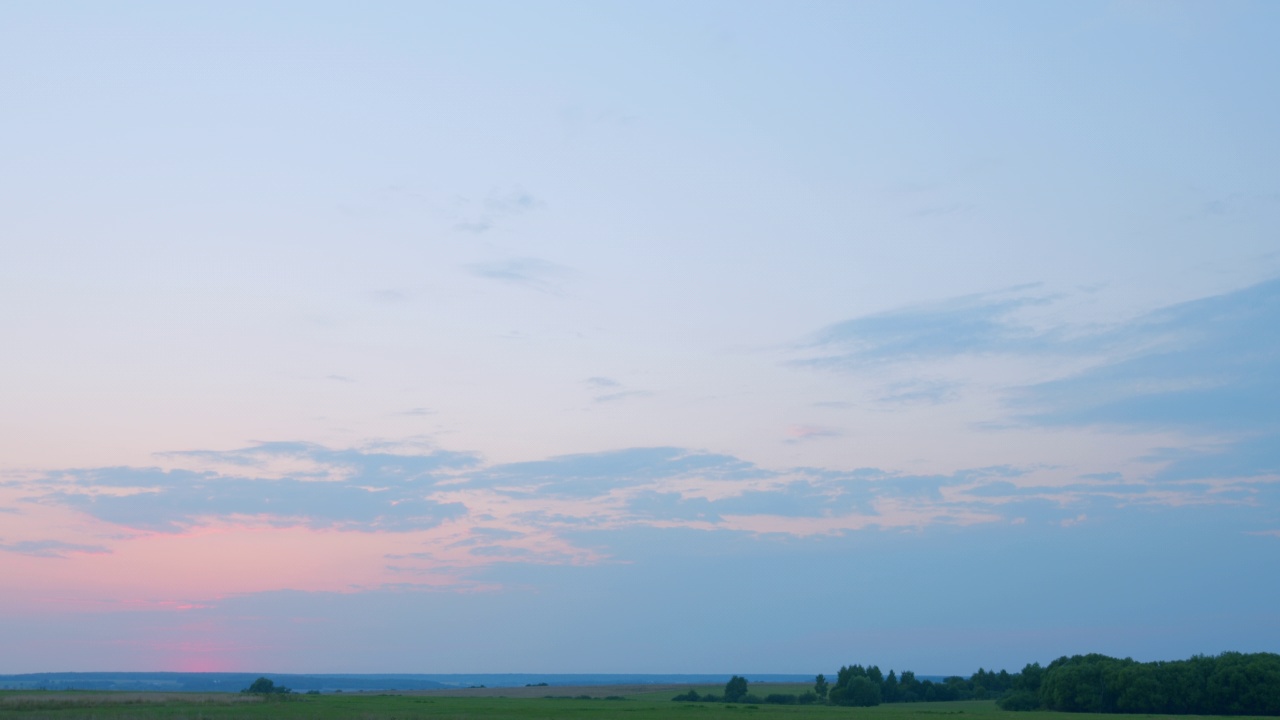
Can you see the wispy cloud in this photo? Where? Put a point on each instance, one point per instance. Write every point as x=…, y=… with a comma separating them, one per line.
x=497, y=206
x=976, y=324
x=801, y=433
x=1238, y=203
x=528, y=272
x=51, y=548
x=1203, y=368
x=173, y=501
x=923, y=392
x=1208, y=365
x=608, y=390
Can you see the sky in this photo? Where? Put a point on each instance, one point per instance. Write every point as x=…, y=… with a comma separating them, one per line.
x=627, y=337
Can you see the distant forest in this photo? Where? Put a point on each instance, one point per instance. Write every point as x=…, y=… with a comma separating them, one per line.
x=1227, y=684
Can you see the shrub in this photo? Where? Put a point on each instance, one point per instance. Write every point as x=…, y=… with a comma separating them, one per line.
x=1019, y=700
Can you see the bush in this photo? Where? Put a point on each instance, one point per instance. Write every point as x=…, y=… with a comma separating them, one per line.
x=807, y=698
x=1019, y=700
x=780, y=699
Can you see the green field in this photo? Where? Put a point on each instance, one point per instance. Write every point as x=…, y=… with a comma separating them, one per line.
x=636, y=706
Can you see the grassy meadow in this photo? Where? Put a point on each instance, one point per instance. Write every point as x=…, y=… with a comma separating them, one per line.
x=630, y=703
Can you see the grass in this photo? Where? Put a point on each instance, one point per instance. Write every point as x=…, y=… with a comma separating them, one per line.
x=24, y=705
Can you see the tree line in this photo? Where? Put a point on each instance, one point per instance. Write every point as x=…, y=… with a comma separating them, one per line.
x=1226, y=684
x=860, y=686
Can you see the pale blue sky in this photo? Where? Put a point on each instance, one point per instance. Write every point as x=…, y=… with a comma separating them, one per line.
x=726, y=336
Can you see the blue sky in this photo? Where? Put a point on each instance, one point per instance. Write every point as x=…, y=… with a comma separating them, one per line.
x=637, y=337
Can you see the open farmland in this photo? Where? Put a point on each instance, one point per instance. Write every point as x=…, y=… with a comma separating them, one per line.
x=636, y=703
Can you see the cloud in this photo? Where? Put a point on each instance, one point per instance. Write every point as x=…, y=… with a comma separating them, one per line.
x=1206, y=365
x=172, y=501
x=278, y=483
x=1238, y=203
x=599, y=383
x=1077, y=520
x=1251, y=457
x=364, y=491
x=1204, y=368
x=975, y=324
x=597, y=474
x=370, y=465
x=800, y=433
x=52, y=548
x=496, y=207
x=527, y=272
x=920, y=392
x=434, y=517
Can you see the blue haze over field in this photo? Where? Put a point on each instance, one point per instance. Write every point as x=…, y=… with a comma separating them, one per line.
x=637, y=337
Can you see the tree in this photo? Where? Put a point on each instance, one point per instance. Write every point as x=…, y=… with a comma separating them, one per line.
x=858, y=692
x=890, y=691
x=735, y=689
x=264, y=686
x=909, y=688
x=820, y=686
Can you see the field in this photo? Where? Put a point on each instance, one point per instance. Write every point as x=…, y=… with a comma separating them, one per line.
x=628, y=703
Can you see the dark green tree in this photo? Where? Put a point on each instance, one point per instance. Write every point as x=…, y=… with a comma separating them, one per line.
x=910, y=689
x=890, y=692
x=820, y=686
x=265, y=686
x=859, y=691
x=735, y=689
